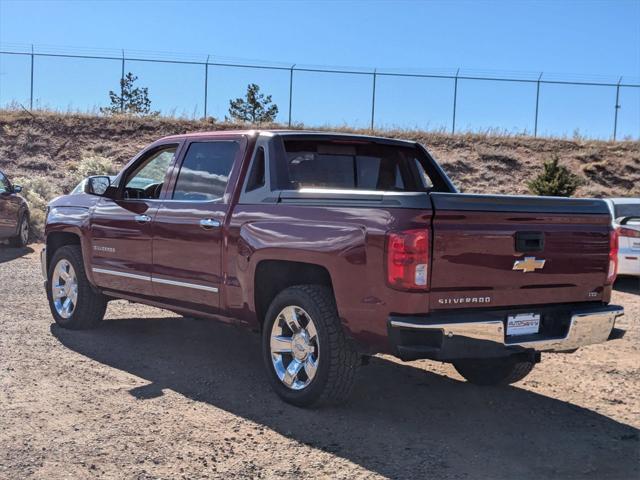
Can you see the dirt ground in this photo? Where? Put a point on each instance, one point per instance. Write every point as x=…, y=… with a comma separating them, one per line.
x=154, y=395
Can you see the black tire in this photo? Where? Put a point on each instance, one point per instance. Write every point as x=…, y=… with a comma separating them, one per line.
x=19, y=241
x=91, y=305
x=338, y=361
x=493, y=372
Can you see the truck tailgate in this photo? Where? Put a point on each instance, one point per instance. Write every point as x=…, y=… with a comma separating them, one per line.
x=492, y=250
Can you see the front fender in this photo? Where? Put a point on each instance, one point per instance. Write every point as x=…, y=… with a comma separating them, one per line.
x=72, y=220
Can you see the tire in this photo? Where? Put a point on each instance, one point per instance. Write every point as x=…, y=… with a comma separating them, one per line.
x=334, y=357
x=89, y=307
x=22, y=238
x=493, y=372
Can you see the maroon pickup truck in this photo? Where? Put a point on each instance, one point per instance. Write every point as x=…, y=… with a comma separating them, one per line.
x=335, y=247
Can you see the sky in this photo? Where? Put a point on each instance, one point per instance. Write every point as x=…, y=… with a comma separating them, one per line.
x=582, y=40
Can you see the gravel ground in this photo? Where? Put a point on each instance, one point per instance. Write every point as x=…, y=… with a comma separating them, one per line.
x=154, y=395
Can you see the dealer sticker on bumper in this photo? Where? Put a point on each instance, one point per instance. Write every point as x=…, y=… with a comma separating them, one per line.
x=523, y=324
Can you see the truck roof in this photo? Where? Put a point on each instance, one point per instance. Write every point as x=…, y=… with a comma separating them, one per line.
x=292, y=133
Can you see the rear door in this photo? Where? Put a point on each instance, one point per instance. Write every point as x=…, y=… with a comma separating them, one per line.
x=121, y=228
x=188, y=229
x=491, y=251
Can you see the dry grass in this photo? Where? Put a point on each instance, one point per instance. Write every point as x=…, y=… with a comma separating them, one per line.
x=56, y=147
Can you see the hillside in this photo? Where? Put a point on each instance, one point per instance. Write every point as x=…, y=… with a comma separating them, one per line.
x=51, y=145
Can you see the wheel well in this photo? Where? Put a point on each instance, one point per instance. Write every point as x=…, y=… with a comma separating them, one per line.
x=273, y=276
x=56, y=240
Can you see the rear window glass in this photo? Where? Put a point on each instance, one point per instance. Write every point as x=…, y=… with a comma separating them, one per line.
x=367, y=166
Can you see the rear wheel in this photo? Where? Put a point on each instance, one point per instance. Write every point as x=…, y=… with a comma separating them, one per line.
x=309, y=360
x=493, y=371
x=73, y=302
x=22, y=238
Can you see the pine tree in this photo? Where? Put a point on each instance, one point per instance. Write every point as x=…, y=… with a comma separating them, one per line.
x=255, y=107
x=131, y=100
x=555, y=180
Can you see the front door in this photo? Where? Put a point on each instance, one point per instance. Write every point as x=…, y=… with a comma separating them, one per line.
x=121, y=228
x=188, y=227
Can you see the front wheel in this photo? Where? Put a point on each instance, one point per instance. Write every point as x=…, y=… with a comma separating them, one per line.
x=493, y=371
x=22, y=238
x=73, y=302
x=309, y=359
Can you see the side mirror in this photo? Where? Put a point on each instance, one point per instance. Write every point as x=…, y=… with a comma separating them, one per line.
x=97, y=185
x=17, y=189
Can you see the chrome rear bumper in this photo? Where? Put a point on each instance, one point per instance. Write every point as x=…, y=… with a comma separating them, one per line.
x=450, y=339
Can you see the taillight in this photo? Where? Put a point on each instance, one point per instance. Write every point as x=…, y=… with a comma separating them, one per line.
x=628, y=232
x=408, y=259
x=613, y=256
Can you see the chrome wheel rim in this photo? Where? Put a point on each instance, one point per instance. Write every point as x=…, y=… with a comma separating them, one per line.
x=64, y=288
x=295, y=348
x=24, y=231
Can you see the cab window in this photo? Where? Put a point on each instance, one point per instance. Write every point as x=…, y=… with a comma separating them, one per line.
x=204, y=173
x=147, y=179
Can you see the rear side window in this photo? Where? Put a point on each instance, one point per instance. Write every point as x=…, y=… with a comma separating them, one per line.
x=256, y=176
x=366, y=166
x=205, y=171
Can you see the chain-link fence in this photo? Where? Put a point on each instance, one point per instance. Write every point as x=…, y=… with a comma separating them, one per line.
x=372, y=78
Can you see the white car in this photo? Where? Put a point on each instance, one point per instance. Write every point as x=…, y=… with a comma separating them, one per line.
x=626, y=221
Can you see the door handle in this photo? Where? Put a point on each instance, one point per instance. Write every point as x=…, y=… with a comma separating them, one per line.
x=142, y=218
x=209, y=223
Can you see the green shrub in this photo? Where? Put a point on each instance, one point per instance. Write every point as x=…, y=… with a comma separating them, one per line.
x=38, y=191
x=555, y=180
x=92, y=165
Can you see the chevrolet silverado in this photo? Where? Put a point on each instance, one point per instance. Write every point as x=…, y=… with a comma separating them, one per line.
x=335, y=247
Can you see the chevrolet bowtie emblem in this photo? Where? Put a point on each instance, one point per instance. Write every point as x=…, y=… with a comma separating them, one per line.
x=529, y=264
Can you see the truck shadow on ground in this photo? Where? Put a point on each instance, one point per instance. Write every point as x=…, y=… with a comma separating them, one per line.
x=402, y=422
x=10, y=253
x=628, y=285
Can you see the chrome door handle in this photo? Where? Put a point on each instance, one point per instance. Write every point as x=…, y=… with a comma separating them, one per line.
x=143, y=218
x=209, y=223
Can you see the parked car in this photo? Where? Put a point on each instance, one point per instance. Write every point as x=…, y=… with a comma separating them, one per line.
x=626, y=221
x=14, y=214
x=336, y=247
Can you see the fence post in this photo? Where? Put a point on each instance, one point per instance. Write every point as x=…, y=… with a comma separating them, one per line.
x=535, y=127
x=455, y=101
x=31, y=94
x=290, y=91
x=206, y=83
x=122, y=85
x=617, y=107
x=373, y=98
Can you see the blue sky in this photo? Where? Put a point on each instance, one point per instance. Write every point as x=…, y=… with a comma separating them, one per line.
x=584, y=40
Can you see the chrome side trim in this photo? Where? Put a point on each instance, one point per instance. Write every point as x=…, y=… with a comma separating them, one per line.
x=584, y=329
x=149, y=278
x=116, y=273
x=175, y=283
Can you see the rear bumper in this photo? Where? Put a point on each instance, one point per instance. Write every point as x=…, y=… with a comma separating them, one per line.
x=629, y=262
x=448, y=337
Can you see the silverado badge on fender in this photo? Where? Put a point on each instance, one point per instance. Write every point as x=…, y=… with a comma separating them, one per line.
x=529, y=264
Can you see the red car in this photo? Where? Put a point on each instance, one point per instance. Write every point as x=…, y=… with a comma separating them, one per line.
x=335, y=247
x=14, y=214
